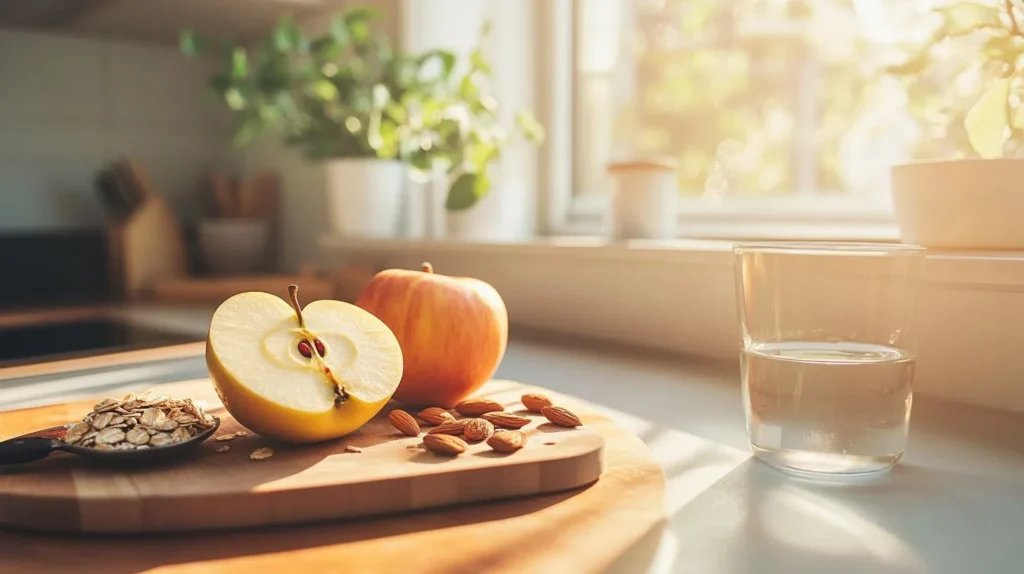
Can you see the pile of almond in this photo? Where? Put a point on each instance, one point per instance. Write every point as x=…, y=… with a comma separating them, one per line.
x=483, y=419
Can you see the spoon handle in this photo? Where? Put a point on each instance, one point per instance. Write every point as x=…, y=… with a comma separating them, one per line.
x=25, y=450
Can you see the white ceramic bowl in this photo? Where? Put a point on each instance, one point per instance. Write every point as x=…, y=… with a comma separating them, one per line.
x=961, y=204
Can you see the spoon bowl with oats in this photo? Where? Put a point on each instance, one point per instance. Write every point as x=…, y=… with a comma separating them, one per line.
x=134, y=429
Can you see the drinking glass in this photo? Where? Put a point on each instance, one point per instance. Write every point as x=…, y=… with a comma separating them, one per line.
x=827, y=352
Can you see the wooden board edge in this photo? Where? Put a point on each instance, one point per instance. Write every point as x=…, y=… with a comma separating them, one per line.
x=68, y=515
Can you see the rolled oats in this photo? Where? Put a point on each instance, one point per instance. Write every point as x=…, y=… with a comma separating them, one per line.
x=166, y=425
x=107, y=404
x=160, y=439
x=110, y=436
x=77, y=431
x=137, y=422
x=137, y=436
x=262, y=453
x=102, y=421
x=180, y=434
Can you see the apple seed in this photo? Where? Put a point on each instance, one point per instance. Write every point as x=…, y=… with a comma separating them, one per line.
x=306, y=350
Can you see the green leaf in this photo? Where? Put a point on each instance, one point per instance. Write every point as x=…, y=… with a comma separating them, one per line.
x=531, y=128
x=397, y=113
x=478, y=61
x=381, y=96
x=189, y=43
x=1017, y=122
x=480, y=155
x=387, y=138
x=220, y=83
x=282, y=35
x=986, y=123
x=246, y=130
x=339, y=30
x=482, y=185
x=324, y=90
x=468, y=88
x=464, y=192
x=1007, y=49
x=239, y=64
x=234, y=99
x=357, y=22
x=444, y=58
x=966, y=17
x=913, y=66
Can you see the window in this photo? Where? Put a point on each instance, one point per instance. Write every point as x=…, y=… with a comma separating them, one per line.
x=777, y=113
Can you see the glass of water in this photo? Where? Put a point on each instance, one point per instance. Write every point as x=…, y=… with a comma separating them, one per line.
x=828, y=352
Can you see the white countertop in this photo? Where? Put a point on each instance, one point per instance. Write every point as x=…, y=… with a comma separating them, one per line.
x=955, y=504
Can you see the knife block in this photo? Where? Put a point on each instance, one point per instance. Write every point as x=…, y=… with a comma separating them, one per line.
x=145, y=247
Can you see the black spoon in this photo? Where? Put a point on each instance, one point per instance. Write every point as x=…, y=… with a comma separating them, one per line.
x=38, y=445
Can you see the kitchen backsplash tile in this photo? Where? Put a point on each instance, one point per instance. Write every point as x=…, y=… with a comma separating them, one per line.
x=68, y=105
x=51, y=77
x=152, y=86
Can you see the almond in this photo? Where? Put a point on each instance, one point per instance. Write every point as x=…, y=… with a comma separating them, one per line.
x=506, y=420
x=435, y=416
x=404, y=422
x=534, y=402
x=477, y=407
x=478, y=429
x=444, y=444
x=507, y=441
x=561, y=417
x=450, y=427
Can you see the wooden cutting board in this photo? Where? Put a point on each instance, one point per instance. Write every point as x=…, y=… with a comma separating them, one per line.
x=213, y=490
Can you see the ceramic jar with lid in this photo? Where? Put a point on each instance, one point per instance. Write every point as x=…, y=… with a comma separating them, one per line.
x=644, y=199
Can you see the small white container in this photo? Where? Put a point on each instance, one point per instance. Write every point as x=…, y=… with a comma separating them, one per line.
x=644, y=199
x=960, y=204
x=364, y=196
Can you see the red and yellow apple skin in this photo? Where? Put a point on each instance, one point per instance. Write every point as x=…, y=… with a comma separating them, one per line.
x=452, y=331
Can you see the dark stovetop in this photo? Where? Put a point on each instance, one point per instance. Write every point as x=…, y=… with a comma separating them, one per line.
x=49, y=341
x=65, y=269
x=51, y=268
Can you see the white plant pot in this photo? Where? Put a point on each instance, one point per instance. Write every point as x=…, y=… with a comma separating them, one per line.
x=963, y=204
x=501, y=216
x=424, y=206
x=364, y=196
x=234, y=246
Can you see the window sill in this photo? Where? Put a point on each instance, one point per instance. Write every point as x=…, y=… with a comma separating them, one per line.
x=679, y=296
x=797, y=217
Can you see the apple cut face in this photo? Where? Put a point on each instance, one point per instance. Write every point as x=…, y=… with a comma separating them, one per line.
x=256, y=336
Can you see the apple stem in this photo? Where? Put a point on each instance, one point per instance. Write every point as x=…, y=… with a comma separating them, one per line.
x=427, y=267
x=293, y=296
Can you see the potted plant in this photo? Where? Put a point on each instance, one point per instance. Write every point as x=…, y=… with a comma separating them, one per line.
x=965, y=84
x=337, y=98
x=461, y=136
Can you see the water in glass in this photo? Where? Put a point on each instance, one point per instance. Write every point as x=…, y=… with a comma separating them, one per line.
x=827, y=407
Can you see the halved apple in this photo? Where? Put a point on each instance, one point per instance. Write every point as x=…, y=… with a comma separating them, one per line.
x=301, y=375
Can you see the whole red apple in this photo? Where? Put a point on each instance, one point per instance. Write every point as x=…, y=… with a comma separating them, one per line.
x=452, y=330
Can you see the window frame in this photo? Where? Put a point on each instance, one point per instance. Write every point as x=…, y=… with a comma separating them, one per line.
x=564, y=209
